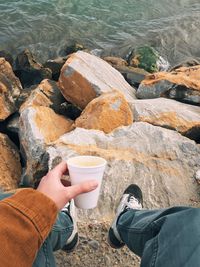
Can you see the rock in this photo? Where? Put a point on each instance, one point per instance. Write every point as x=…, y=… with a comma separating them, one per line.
x=46, y=94
x=182, y=84
x=73, y=48
x=55, y=66
x=8, y=57
x=39, y=126
x=188, y=63
x=10, y=88
x=132, y=75
x=161, y=161
x=10, y=167
x=147, y=58
x=85, y=77
x=116, y=61
x=29, y=71
x=105, y=113
x=170, y=114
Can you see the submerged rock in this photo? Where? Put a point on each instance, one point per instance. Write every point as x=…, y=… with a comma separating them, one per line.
x=39, y=126
x=105, y=113
x=10, y=167
x=147, y=58
x=10, y=88
x=55, y=66
x=182, y=84
x=30, y=71
x=170, y=114
x=161, y=161
x=85, y=77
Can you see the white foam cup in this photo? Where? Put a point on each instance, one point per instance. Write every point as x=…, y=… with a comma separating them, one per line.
x=84, y=168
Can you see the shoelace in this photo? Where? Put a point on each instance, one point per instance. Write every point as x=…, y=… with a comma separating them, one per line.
x=133, y=203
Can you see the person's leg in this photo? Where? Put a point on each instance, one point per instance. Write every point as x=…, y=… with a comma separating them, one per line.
x=163, y=238
x=63, y=235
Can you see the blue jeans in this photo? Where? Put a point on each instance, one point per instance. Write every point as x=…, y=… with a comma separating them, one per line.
x=57, y=238
x=163, y=238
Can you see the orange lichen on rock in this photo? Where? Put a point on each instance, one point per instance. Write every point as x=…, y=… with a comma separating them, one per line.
x=106, y=113
x=50, y=124
x=187, y=76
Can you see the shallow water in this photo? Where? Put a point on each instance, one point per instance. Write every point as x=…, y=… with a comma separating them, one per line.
x=115, y=26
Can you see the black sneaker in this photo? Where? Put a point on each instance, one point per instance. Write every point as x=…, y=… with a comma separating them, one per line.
x=131, y=199
x=72, y=241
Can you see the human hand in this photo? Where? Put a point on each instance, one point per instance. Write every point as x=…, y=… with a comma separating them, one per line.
x=52, y=186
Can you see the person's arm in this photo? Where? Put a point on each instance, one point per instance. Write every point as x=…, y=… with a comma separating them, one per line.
x=25, y=221
x=27, y=217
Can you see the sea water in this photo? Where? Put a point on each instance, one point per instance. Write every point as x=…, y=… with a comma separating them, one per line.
x=111, y=26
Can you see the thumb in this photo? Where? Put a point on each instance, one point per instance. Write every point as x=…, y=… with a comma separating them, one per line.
x=74, y=190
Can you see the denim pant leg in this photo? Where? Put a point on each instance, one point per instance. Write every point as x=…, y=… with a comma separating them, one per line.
x=163, y=238
x=57, y=238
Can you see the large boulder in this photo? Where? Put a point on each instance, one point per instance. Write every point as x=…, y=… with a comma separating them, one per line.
x=85, y=76
x=10, y=167
x=39, y=126
x=182, y=84
x=10, y=89
x=170, y=114
x=161, y=161
x=105, y=113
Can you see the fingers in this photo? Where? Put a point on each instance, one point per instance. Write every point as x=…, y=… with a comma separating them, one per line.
x=85, y=187
x=59, y=170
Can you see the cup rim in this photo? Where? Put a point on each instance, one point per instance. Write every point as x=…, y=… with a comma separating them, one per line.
x=86, y=167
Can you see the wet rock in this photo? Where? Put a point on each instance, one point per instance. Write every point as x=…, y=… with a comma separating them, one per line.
x=73, y=47
x=29, y=71
x=39, y=126
x=85, y=77
x=10, y=88
x=147, y=58
x=8, y=57
x=182, y=84
x=170, y=114
x=47, y=94
x=188, y=63
x=105, y=113
x=132, y=75
x=10, y=167
x=161, y=161
x=55, y=66
x=116, y=61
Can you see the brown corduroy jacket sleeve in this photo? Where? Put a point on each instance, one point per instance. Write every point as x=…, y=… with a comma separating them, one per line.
x=26, y=219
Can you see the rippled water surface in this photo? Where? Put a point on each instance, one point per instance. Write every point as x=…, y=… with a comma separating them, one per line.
x=45, y=26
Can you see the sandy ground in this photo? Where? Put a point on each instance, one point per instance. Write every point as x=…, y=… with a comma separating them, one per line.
x=94, y=251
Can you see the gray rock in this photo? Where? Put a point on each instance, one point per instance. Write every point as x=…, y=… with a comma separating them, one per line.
x=181, y=84
x=39, y=126
x=160, y=161
x=170, y=114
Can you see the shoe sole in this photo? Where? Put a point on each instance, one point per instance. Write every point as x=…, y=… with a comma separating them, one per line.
x=68, y=248
x=113, y=241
